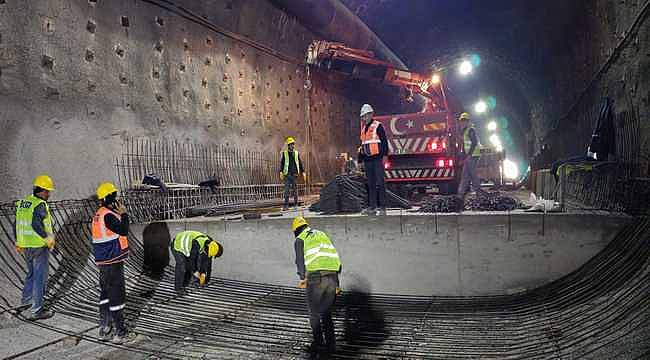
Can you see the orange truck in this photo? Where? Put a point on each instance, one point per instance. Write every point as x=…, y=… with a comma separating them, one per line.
x=423, y=146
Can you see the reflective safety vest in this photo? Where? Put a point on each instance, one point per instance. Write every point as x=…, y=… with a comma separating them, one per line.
x=183, y=241
x=370, y=139
x=109, y=247
x=319, y=252
x=285, y=154
x=26, y=237
x=467, y=143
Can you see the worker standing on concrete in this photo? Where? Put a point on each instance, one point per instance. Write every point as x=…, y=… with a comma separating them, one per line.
x=110, y=228
x=290, y=168
x=471, y=156
x=193, y=252
x=35, y=240
x=318, y=268
x=374, y=149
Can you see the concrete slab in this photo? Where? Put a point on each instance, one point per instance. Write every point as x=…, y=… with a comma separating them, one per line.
x=480, y=253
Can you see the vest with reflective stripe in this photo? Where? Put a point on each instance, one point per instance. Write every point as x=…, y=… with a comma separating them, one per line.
x=467, y=142
x=285, y=154
x=370, y=139
x=26, y=237
x=183, y=241
x=319, y=252
x=109, y=247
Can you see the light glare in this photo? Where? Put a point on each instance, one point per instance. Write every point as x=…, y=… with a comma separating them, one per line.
x=492, y=126
x=465, y=68
x=480, y=107
x=510, y=170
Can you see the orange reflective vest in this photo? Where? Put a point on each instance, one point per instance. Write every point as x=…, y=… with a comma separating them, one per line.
x=370, y=139
x=108, y=246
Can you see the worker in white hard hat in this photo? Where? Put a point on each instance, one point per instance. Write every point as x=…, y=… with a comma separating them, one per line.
x=290, y=168
x=373, y=151
x=470, y=156
x=35, y=240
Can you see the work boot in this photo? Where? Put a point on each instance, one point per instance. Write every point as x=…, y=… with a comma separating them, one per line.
x=105, y=333
x=41, y=315
x=285, y=208
x=126, y=338
x=382, y=212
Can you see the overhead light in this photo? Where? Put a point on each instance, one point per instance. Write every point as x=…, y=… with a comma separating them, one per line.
x=480, y=107
x=435, y=79
x=498, y=148
x=494, y=139
x=465, y=68
x=510, y=169
x=492, y=125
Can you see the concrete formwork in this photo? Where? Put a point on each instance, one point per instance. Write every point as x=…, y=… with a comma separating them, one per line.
x=467, y=254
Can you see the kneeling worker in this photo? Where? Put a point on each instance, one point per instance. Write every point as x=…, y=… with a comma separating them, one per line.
x=318, y=267
x=193, y=252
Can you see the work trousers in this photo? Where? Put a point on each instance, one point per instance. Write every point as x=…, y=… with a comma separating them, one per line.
x=290, y=184
x=112, y=298
x=184, y=270
x=376, y=183
x=321, y=294
x=36, y=278
x=469, y=176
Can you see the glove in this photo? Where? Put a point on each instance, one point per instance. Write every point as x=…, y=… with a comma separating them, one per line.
x=302, y=284
x=304, y=177
x=50, y=242
x=202, y=279
x=19, y=249
x=281, y=176
x=338, y=290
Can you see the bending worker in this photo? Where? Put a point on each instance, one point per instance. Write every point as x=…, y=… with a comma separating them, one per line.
x=374, y=148
x=472, y=155
x=290, y=168
x=318, y=268
x=193, y=252
x=110, y=229
x=35, y=240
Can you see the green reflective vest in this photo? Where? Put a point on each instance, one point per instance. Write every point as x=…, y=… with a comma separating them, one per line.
x=183, y=241
x=285, y=154
x=319, y=252
x=467, y=143
x=26, y=237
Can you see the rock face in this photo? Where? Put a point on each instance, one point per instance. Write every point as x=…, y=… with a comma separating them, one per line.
x=78, y=77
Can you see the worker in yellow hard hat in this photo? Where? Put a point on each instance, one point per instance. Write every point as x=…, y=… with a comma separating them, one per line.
x=290, y=167
x=193, y=252
x=318, y=267
x=470, y=155
x=110, y=228
x=35, y=240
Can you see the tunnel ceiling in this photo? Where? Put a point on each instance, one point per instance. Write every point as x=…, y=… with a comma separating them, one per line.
x=516, y=41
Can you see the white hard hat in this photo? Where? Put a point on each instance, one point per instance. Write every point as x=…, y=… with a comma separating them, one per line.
x=366, y=109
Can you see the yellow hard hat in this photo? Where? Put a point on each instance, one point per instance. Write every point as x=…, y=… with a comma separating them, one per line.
x=464, y=116
x=105, y=189
x=290, y=140
x=44, y=182
x=298, y=222
x=214, y=249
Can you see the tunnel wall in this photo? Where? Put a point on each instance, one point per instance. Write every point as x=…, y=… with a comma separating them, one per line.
x=602, y=55
x=447, y=255
x=79, y=77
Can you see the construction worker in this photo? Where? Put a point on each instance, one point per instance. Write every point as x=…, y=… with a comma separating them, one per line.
x=318, y=268
x=290, y=168
x=193, y=252
x=373, y=150
x=110, y=228
x=471, y=156
x=35, y=240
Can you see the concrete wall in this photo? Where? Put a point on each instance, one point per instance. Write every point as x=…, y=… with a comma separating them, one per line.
x=76, y=81
x=421, y=255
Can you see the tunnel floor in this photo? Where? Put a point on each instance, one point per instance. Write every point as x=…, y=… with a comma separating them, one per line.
x=600, y=311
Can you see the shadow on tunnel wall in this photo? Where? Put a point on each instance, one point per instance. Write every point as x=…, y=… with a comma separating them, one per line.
x=155, y=241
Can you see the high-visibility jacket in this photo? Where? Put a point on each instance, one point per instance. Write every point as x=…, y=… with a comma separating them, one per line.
x=467, y=143
x=109, y=247
x=370, y=140
x=183, y=241
x=285, y=155
x=26, y=237
x=319, y=253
